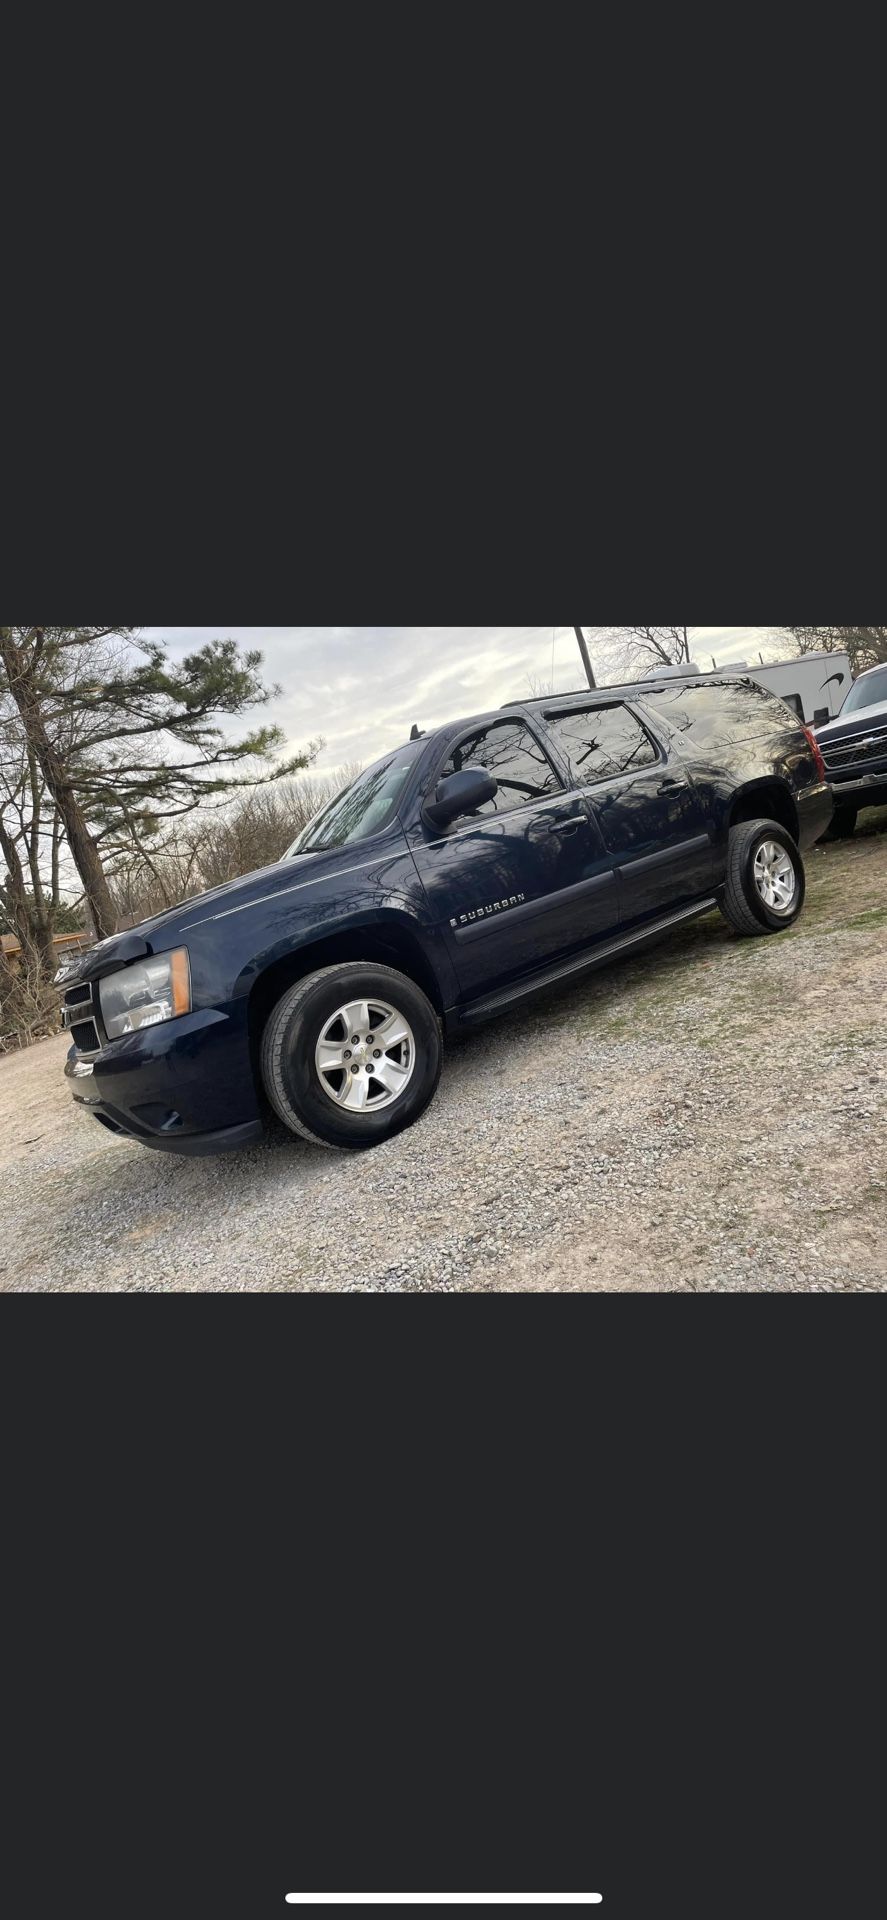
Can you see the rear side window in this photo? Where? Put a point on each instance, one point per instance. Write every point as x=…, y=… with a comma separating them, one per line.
x=512, y=754
x=601, y=742
x=719, y=716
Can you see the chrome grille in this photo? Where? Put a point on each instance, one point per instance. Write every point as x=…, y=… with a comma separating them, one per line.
x=843, y=755
x=86, y=1037
x=80, y=1016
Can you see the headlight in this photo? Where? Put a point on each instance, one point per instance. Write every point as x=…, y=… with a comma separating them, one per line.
x=146, y=994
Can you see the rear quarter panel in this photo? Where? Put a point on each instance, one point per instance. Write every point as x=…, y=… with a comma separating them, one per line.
x=736, y=738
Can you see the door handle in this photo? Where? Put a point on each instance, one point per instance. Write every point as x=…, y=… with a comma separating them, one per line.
x=672, y=786
x=568, y=826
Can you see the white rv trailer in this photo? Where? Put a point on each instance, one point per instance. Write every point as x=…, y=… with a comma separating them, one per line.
x=815, y=684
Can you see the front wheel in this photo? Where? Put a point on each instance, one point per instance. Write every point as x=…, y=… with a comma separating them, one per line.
x=766, y=885
x=352, y=1055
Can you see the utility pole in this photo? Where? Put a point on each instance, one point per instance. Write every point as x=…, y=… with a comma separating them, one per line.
x=586, y=656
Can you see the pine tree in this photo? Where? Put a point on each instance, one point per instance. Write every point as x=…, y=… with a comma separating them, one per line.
x=126, y=739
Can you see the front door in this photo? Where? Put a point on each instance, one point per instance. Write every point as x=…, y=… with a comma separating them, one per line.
x=648, y=811
x=525, y=879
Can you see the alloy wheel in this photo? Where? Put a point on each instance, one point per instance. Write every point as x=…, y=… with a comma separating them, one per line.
x=775, y=877
x=366, y=1056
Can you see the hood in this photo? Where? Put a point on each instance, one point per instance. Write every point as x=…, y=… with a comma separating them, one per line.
x=263, y=880
x=846, y=727
x=264, y=883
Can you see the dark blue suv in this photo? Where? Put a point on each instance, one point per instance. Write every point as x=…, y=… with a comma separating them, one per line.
x=461, y=874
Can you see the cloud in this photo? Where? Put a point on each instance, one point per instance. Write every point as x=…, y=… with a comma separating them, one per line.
x=362, y=688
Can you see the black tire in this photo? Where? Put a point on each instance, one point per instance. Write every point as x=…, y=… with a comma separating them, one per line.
x=290, y=1074
x=741, y=903
x=843, y=825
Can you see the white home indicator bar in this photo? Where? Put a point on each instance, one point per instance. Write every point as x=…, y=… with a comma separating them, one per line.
x=444, y=1899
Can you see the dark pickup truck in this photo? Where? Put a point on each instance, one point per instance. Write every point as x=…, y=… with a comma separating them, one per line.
x=461, y=874
x=854, y=748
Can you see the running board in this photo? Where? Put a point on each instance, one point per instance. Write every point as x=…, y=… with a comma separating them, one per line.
x=574, y=969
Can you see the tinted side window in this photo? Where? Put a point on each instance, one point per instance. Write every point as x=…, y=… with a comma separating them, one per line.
x=514, y=757
x=718, y=716
x=601, y=742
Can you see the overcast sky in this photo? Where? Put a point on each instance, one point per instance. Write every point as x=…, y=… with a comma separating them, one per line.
x=363, y=687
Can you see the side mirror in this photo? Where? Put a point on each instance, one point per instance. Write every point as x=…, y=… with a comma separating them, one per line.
x=460, y=793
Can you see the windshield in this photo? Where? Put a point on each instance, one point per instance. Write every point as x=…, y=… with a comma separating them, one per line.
x=870, y=692
x=363, y=808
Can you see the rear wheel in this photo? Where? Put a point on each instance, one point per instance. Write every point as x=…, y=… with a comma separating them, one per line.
x=766, y=885
x=843, y=825
x=352, y=1055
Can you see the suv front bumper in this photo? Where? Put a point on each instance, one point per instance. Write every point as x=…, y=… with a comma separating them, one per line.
x=870, y=792
x=184, y=1087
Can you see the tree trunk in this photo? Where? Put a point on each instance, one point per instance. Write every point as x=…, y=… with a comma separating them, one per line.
x=17, y=907
x=84, y=852
x=46, y=944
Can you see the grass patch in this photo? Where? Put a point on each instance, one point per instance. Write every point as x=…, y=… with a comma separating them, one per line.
x=873, y=917
x=871, y=822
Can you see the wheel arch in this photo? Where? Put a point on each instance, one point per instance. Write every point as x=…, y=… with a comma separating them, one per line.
x=766, y=799
x=388, y=942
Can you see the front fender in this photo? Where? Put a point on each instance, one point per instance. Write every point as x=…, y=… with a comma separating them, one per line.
x=393, y=922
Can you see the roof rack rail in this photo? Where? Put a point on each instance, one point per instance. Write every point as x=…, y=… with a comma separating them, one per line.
x=622, y=687
x=537, y=699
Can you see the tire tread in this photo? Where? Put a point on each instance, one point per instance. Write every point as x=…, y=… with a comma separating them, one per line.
x=734, y=903
x=274, y=1037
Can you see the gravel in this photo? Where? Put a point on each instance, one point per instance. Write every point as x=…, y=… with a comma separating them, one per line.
x=711, y=1118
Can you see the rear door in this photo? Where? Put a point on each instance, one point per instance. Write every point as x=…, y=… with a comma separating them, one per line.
x=647, y=809
x=525, y=879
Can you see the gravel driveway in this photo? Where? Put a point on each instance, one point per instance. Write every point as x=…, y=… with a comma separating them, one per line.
x=710, y=1117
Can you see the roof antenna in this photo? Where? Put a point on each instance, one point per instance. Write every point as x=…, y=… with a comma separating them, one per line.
x=416, y=735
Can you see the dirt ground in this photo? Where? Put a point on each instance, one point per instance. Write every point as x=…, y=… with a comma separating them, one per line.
x=710, y=1117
